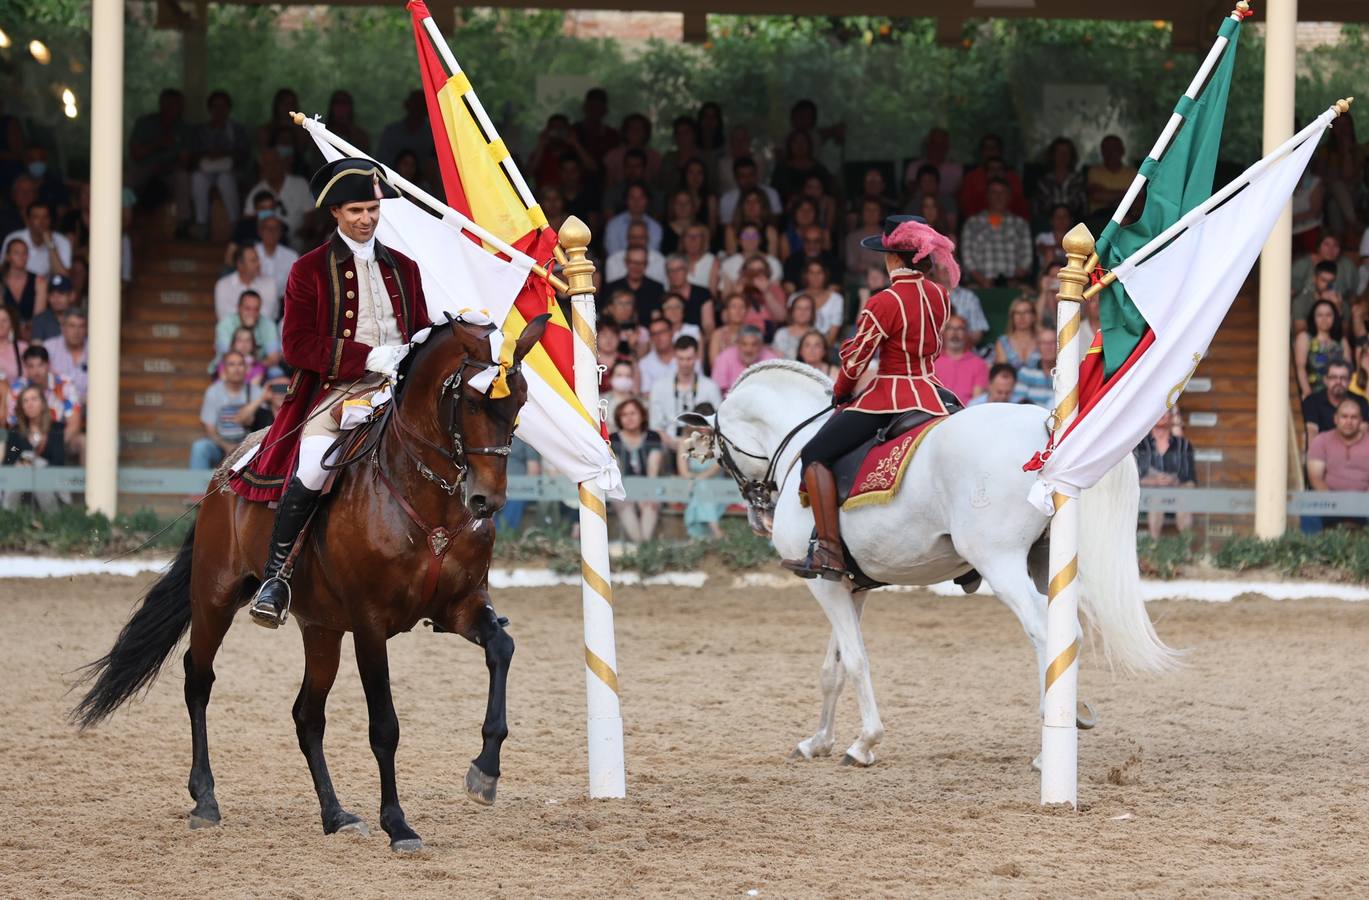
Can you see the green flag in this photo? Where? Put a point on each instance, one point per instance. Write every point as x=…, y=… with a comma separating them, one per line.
x=1176, y=183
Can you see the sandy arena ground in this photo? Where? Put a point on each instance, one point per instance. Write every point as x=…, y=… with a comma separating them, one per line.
x=1245, y=775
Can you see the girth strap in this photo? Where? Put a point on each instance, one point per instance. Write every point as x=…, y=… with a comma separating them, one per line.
x=439, y=539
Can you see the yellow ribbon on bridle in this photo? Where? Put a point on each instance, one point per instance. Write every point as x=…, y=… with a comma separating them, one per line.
x=499, y=389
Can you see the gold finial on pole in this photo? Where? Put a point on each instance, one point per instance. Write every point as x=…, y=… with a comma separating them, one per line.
x=1243, y=8
x=1078, y=246
x=1343, y=106
x=578, y=268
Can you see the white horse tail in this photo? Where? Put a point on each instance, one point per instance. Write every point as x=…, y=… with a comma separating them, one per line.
x=1111, y=580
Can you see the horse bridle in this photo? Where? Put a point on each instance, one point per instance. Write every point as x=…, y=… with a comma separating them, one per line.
x=758, y=492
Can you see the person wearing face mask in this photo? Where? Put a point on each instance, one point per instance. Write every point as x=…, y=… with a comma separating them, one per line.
x=291, y=192
x=52, y=187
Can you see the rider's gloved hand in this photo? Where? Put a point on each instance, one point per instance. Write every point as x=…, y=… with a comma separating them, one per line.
x=843, y=399
x=385, y=360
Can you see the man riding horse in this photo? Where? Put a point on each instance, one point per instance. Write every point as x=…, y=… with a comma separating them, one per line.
x=351, y=307
x=903, y=325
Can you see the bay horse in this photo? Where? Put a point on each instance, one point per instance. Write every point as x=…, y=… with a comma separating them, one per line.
x=962, y=505
x=391, y=546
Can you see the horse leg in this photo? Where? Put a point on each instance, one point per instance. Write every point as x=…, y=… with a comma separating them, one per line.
x=483, y=776
x=321, y=648
x=843, y=611
x=374, y=665
x=208, y=625
x=820, y=744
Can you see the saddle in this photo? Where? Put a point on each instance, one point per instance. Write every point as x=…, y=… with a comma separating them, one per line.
x=848, y=468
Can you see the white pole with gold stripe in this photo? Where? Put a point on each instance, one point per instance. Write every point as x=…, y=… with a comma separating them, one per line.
x=605, y=721
x=1059, y=734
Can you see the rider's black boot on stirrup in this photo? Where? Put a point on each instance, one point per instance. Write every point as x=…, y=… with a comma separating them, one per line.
x=825, y=557
x=272, y=601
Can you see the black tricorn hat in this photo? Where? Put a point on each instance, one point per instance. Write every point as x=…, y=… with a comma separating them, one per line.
x=350, y=180
x=876, y=241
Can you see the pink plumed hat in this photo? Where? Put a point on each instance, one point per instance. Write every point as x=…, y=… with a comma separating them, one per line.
x=912, y=234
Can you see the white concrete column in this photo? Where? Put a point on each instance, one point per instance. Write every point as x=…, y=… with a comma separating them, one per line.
x=106, y=190
x=1271, y=429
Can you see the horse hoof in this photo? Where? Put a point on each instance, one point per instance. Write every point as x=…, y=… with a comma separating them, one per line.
x=1036, y=763
x=358, y=828
x=1084, y=716
x=203, y=821
x=481, y=787
x=797, y=753
x=848, y=760
x=407, y=845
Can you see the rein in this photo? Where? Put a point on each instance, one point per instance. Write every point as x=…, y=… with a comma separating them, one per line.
x=759, y=492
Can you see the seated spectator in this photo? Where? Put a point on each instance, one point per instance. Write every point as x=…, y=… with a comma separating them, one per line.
x=816, y=352
x=1034, y=383
x=682, y=389
x=701, y=517
x=293, y=200
x=873, y=189
x=49, y=251
x=746, y=178
x=245, y=345
x=1049, y=245
x=639, y=451
x=636, y=207
x=341, y=121
x=1359, y=382
x=553, y=206
x=1322, y=275
x=47, y=324
x=803, y=214
x=965, y=303
x=1338, y=460
x=796, y=165
x=740, y=146
x=20, y=289
x=219, y=153
x=660, y=359
x=411, y=133
x=730, y=268
x=158, y=150
x=1319, y=407
x=972, y=198
x=621, y=315
x=1063, y=184
x=830, y=306
x=735, y=309
x=802, y=316
x=62, y=401
x=262, y=409
x=578, y=192
x=936, y=152
x=1164, y=460
x=596, y=136
x=871, y=222
x=750, y=215
x=1017, y=345
x=67, y=352
x=614, y=196
x=410, y=168
x=1048, y=296
x=11, y=351
x=682, y=214
x=694, y=179
x=766, y=302
x=622, y=385
x=222, y=414
x=292, y=142
x=749, y=350
x=876, y=279
x=1002, y=386
x=686, y=134
x=925, y=190
x=810, y=251
x=698, y=303
x=646, y=292
x=673, y=312
x=815, y=189
x=638, y=237
x=1107, y=183
x=246, y=276
x=1320, y=344
x=939, y=216
x=703, y=265
x=276, y=258
x=260, y=206
x=1309, y=211
x=996, y=246
x=958, y=368
x=606, y=340
x=636, y=134
x=34, y=439
x=265, y=335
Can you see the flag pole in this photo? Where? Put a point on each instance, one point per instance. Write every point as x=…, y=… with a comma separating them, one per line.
x=1060, y=682
x=449, y=215
x=604, y=723
x=1171, y=128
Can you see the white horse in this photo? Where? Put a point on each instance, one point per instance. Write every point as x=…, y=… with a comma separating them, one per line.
x=962, y=505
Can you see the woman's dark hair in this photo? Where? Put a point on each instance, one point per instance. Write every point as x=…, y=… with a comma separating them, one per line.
x=1050, y=152
x=618, y=412
x=738, y=222
x=718, y=138
x=805, y=201
x=826, y=346
x=685, y=120
x=917, y=265
x=1336, y=332
x=694, y=162
x=642, y=120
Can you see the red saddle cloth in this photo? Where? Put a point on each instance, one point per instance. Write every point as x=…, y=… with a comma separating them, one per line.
x=881, y=473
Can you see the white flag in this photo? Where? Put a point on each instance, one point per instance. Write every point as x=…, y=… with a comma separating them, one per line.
x=1184, y=292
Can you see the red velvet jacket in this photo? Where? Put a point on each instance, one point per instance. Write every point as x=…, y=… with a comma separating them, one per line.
x=903, y=323
x=320, y=308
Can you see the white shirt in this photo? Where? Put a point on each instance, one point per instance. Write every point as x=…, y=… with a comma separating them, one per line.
x=39, y=263
x=727, y=203
x=294, y=199
x=701, y=272
x=668, y=401
x=615, y=232
x=615, y=267
x=376, y=325
x=651, y=369
x=276, y=266
x=230, y=287
x=731, y=269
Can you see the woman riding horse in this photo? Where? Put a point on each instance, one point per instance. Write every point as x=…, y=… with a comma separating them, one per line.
x=351, y=307
x=903, y=325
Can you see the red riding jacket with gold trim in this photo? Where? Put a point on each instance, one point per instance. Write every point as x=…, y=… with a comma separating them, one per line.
x=320, y=312
x=903, y=323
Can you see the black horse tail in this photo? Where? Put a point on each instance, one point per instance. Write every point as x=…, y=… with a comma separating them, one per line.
x=147, y=639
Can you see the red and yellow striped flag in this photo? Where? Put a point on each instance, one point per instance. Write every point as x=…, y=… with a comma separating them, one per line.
x=476, y=178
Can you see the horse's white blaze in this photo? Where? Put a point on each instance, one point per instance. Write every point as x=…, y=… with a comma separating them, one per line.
x=963, y=504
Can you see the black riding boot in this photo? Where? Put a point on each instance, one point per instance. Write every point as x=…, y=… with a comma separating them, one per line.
x=272, y=601
x=825, y=557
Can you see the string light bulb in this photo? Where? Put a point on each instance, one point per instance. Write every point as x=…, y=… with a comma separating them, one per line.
x=4, y=40
x=39, y=51
x=70, y=110
x=68, y=98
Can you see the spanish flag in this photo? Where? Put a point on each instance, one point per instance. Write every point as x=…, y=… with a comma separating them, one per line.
x=482, y=182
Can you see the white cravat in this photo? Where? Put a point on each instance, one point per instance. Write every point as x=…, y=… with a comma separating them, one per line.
x=365, y=252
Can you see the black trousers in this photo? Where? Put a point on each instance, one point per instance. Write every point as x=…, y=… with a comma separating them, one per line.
x=843, y=433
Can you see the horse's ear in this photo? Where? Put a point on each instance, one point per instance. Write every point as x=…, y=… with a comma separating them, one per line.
x=531, y=335
x=694, y=420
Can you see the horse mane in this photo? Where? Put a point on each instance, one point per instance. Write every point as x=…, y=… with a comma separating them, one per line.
x=411, y=358
x=787, y=365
